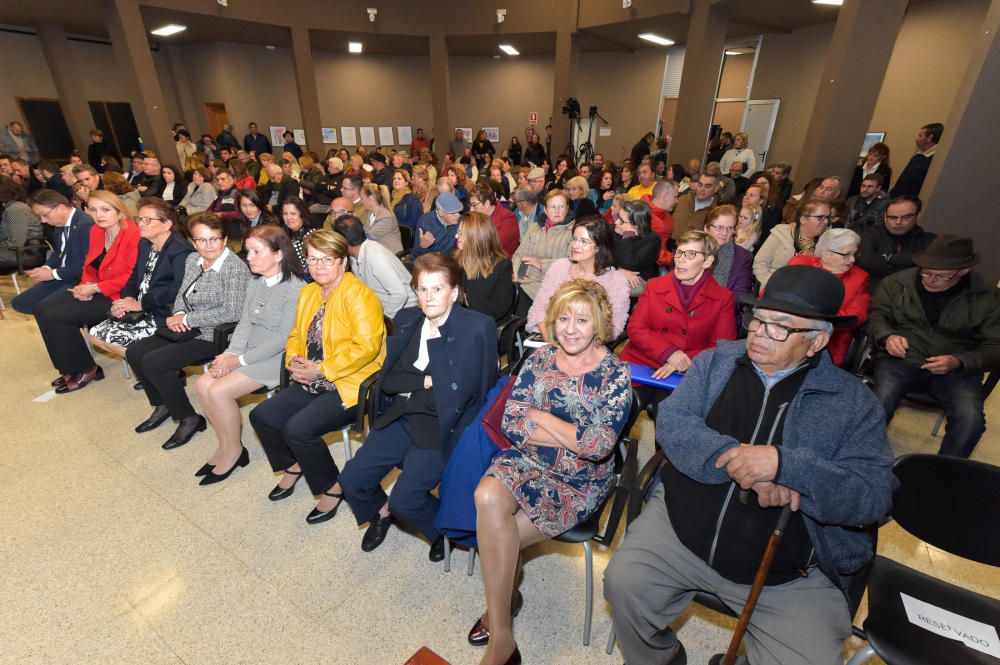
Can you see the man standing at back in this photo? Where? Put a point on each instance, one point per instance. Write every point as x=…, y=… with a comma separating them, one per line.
x=458, y=145
x=255, y=142
x=16, y=142
x=911, y=179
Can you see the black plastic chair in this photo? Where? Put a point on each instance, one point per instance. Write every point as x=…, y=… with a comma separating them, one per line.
x=626, y=462
x=644, y=482
x=406, y=236
x=26, y=257
x=952, y=504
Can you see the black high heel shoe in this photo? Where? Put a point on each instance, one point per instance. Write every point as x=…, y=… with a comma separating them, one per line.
x=213, y=478
x=279, y=492
x=318, y=517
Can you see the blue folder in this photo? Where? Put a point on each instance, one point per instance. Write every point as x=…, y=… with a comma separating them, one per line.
x=644, y=375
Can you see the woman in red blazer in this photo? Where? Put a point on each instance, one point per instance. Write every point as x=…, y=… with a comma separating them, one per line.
x=835, y=252
x=680, y=314
x=114, y=246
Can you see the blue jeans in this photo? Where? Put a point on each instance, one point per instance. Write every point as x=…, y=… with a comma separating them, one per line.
x=959, y=394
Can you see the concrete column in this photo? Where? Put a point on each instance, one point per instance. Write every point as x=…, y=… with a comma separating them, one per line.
x=855, y=67
x=69, y=84
x=305, y=78
x=440, y=87
x=190, y=116
x=135, y=63
x=699, y=80
x=956, y=201
x=567, y=62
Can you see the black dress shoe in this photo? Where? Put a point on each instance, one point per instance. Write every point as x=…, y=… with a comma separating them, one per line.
x=279, y=492
x=211, y=477
x=204, y=470
x=186, y=429
x=59, y=380
x=479, y=636
x=515, y=658
x=318, y=517
x=138, y=386
x=80, y=380
x=437, y=550
x=378, y=527
x=158, y=417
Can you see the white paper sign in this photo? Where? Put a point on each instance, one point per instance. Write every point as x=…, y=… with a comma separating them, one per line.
x=973, y=634
x=329, y=135
x=404, y=134
x=604, y=131
x=348, y=136
x=276, y=135
x=385, y=136
x=300, y=136
x=367, y=136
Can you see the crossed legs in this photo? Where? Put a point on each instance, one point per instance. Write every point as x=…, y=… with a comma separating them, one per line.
x=503, y=530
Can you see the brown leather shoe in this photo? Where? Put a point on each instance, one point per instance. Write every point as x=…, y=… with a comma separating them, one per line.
x=479, y=636
x=59, y=380
x=80, y=380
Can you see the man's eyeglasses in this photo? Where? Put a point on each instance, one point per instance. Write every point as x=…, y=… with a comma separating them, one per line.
x=939, y=276
x=901, y=218
x=772, y=330
x=337, y=212
x=327, y=261
x=689, y=254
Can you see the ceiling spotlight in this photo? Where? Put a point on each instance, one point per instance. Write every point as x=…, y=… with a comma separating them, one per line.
x=372, y=13
x=626, y=4
x=223, y=3
x=836, y=3
x=509, y=50
x=168, y=29
x=656, y=39
x=501, y=15
x=270, y=47
x=733, y=53
x=354, y=47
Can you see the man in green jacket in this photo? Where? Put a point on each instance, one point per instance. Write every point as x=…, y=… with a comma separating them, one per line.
x=937, y=329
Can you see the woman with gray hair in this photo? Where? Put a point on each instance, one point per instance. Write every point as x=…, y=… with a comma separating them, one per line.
x=836, y=250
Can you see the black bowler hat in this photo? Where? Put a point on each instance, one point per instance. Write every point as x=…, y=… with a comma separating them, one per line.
x=378, y=157
x=947, y=252
x=804, y=291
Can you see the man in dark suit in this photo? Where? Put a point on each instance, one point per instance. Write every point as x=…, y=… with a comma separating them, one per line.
x=64, y=267
x=255, y=142
x=911, y=179
x=52, y=178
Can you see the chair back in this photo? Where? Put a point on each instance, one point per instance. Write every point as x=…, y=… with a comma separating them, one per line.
x=388, y=325
x=950, y=503
x=406, y=236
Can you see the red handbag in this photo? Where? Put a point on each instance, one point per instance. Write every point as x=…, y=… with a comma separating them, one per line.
x=493, y=419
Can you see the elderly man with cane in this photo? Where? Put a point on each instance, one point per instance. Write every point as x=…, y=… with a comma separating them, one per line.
x=757, y=426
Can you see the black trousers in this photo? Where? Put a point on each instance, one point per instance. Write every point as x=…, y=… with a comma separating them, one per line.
x=411, y=500
x=291, y=426
x=59, y=319
x=156, y=361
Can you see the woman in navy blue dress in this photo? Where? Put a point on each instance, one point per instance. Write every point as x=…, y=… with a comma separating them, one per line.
x=568, y=406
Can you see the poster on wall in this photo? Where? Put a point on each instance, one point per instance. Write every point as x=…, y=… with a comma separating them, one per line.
x=385, y=136
x=871, y=138
x=492, y=134
x=466, y=133
x=404, y=134
x=367, y=136
x=300, y=136
x=276, y=132
x=347, y=136
x=329, y=135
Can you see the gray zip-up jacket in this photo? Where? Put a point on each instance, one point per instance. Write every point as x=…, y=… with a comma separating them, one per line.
x=834, y=452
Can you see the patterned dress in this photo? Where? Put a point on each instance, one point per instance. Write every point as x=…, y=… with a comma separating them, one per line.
x=115, y=331
x=555, y=487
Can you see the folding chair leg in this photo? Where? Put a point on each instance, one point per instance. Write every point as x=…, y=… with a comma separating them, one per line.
x=126, y=370
x=589, y=609
x=17, y=287
x=472, y=561
x=347, y=443
x=861, y=655
x=447, y=555
x=937, y=425
x=610, y=649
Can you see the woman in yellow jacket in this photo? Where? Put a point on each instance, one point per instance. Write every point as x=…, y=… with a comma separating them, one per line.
x=338, y=341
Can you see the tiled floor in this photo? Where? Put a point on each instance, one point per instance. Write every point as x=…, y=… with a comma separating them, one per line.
x=111, y=552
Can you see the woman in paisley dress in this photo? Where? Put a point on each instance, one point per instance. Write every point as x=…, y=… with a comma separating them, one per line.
x=152, y=288
x=568, y=406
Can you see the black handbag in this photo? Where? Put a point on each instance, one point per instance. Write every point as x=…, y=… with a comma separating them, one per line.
x=173, y=336
x=131, y=318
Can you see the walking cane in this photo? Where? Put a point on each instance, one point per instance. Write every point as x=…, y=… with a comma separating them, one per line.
x=758, y=585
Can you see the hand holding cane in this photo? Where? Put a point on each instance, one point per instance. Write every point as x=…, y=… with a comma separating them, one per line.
x=758, y=585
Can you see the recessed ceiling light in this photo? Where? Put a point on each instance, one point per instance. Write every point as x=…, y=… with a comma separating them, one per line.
x=496, y=57
x=733, y=53
x=656, y=39
x=168, y=29
x=509, y=50
x=354, y=47
x=828, y=2
x=270, y=47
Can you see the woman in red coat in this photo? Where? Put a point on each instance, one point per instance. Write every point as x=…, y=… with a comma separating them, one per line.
x=114, y=246
x=680, y=314
x=836, y=251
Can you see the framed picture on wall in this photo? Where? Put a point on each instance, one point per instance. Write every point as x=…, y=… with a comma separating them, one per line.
x=492, y=134
x=871, y=138
x=277, y=134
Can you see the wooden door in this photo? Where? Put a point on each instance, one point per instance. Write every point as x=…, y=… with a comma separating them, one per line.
x=217, y=116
